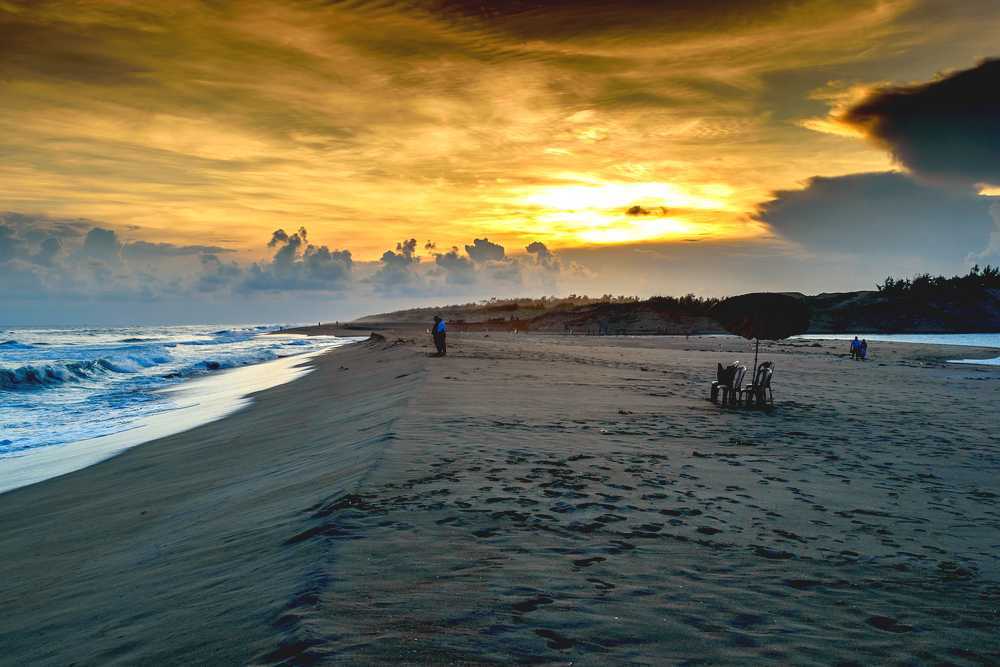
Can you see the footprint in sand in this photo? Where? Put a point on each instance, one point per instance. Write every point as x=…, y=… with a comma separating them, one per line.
x=773, y=554
x=618, y=546
x=556, y=640
x=601, y=585
x=531, y=604
x=888, y=624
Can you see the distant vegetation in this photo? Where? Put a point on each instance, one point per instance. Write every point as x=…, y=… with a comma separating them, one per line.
x=690, y=304
x=549, y=302
x=922, y=304
x=924, y=285
x=607, y=314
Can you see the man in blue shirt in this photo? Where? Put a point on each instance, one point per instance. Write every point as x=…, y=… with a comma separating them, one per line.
x=438, y=332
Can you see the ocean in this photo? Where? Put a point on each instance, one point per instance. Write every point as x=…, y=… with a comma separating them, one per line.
x=72, y=396
x=962, y=340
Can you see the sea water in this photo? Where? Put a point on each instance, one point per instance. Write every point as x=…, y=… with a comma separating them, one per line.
x=963, y=340
x=70, y=397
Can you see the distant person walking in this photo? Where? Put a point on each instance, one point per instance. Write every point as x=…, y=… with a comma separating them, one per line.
x=863, y=349
x=855, y=348
x=438, y=332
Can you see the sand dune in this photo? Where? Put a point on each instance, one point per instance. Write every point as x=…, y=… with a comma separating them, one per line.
x=536, y=499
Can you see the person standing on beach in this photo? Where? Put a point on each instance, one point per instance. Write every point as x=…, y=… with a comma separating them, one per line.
x=863, y=349
x=438, y=332
x=855, y=348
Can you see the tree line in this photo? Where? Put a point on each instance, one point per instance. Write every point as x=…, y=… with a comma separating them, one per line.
x=925, y=285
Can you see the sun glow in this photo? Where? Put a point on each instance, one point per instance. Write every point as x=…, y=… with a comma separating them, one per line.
x=606, y=213
x=623, y=195
x=628, y=231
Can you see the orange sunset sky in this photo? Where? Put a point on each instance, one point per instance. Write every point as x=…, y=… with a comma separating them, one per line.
x=644, y=147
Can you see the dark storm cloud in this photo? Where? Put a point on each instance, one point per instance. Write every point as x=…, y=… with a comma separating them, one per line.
x=458, y=270
x=37, y=245
x=48, y=252
x=642, y=210
x=279, y=237
x=619, y=97
x=881, y=214
x=139, y=250
x=407, y=249
x=483, y=250
x=10, y=244
x=402, y=258
x=103, y=265
x=102, y=244
x=947, y=129
x=51, y=49
x=544, y=257
x=523, y=30
x=216, y=274
x=34, y=263
x=38, y=227
x=661, y=89
x=300, y=265
x=508, y=272
x=539, y=250
x=564, y=19
x=484, y=265
x=397, y=271
x=41, y=240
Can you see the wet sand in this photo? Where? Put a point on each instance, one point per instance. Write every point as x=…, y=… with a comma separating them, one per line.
x=536, y=498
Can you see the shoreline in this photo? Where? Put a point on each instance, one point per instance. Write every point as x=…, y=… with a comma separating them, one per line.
x=204, y=399
x=81, y=395
x=532, y=498
x=181, y=550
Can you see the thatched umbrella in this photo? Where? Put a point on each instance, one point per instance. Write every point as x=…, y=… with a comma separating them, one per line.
x=767, y=315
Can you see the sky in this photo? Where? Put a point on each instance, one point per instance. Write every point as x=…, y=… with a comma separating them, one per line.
x=300, y=160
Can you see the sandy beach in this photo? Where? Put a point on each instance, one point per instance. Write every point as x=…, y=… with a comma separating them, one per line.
x=535, y=499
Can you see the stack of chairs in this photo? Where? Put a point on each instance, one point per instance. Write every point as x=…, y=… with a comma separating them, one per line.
x=759, y=391
x=728, y=383
x=730, y=388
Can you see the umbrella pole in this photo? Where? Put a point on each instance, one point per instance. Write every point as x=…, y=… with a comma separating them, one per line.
x=756, y=352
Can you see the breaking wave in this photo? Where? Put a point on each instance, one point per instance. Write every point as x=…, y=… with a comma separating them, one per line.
x=49, y=374
x=64, y=385
x=41, y=375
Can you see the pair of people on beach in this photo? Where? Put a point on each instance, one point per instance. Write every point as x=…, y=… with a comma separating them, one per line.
x=438, y=332
x=859, y=349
